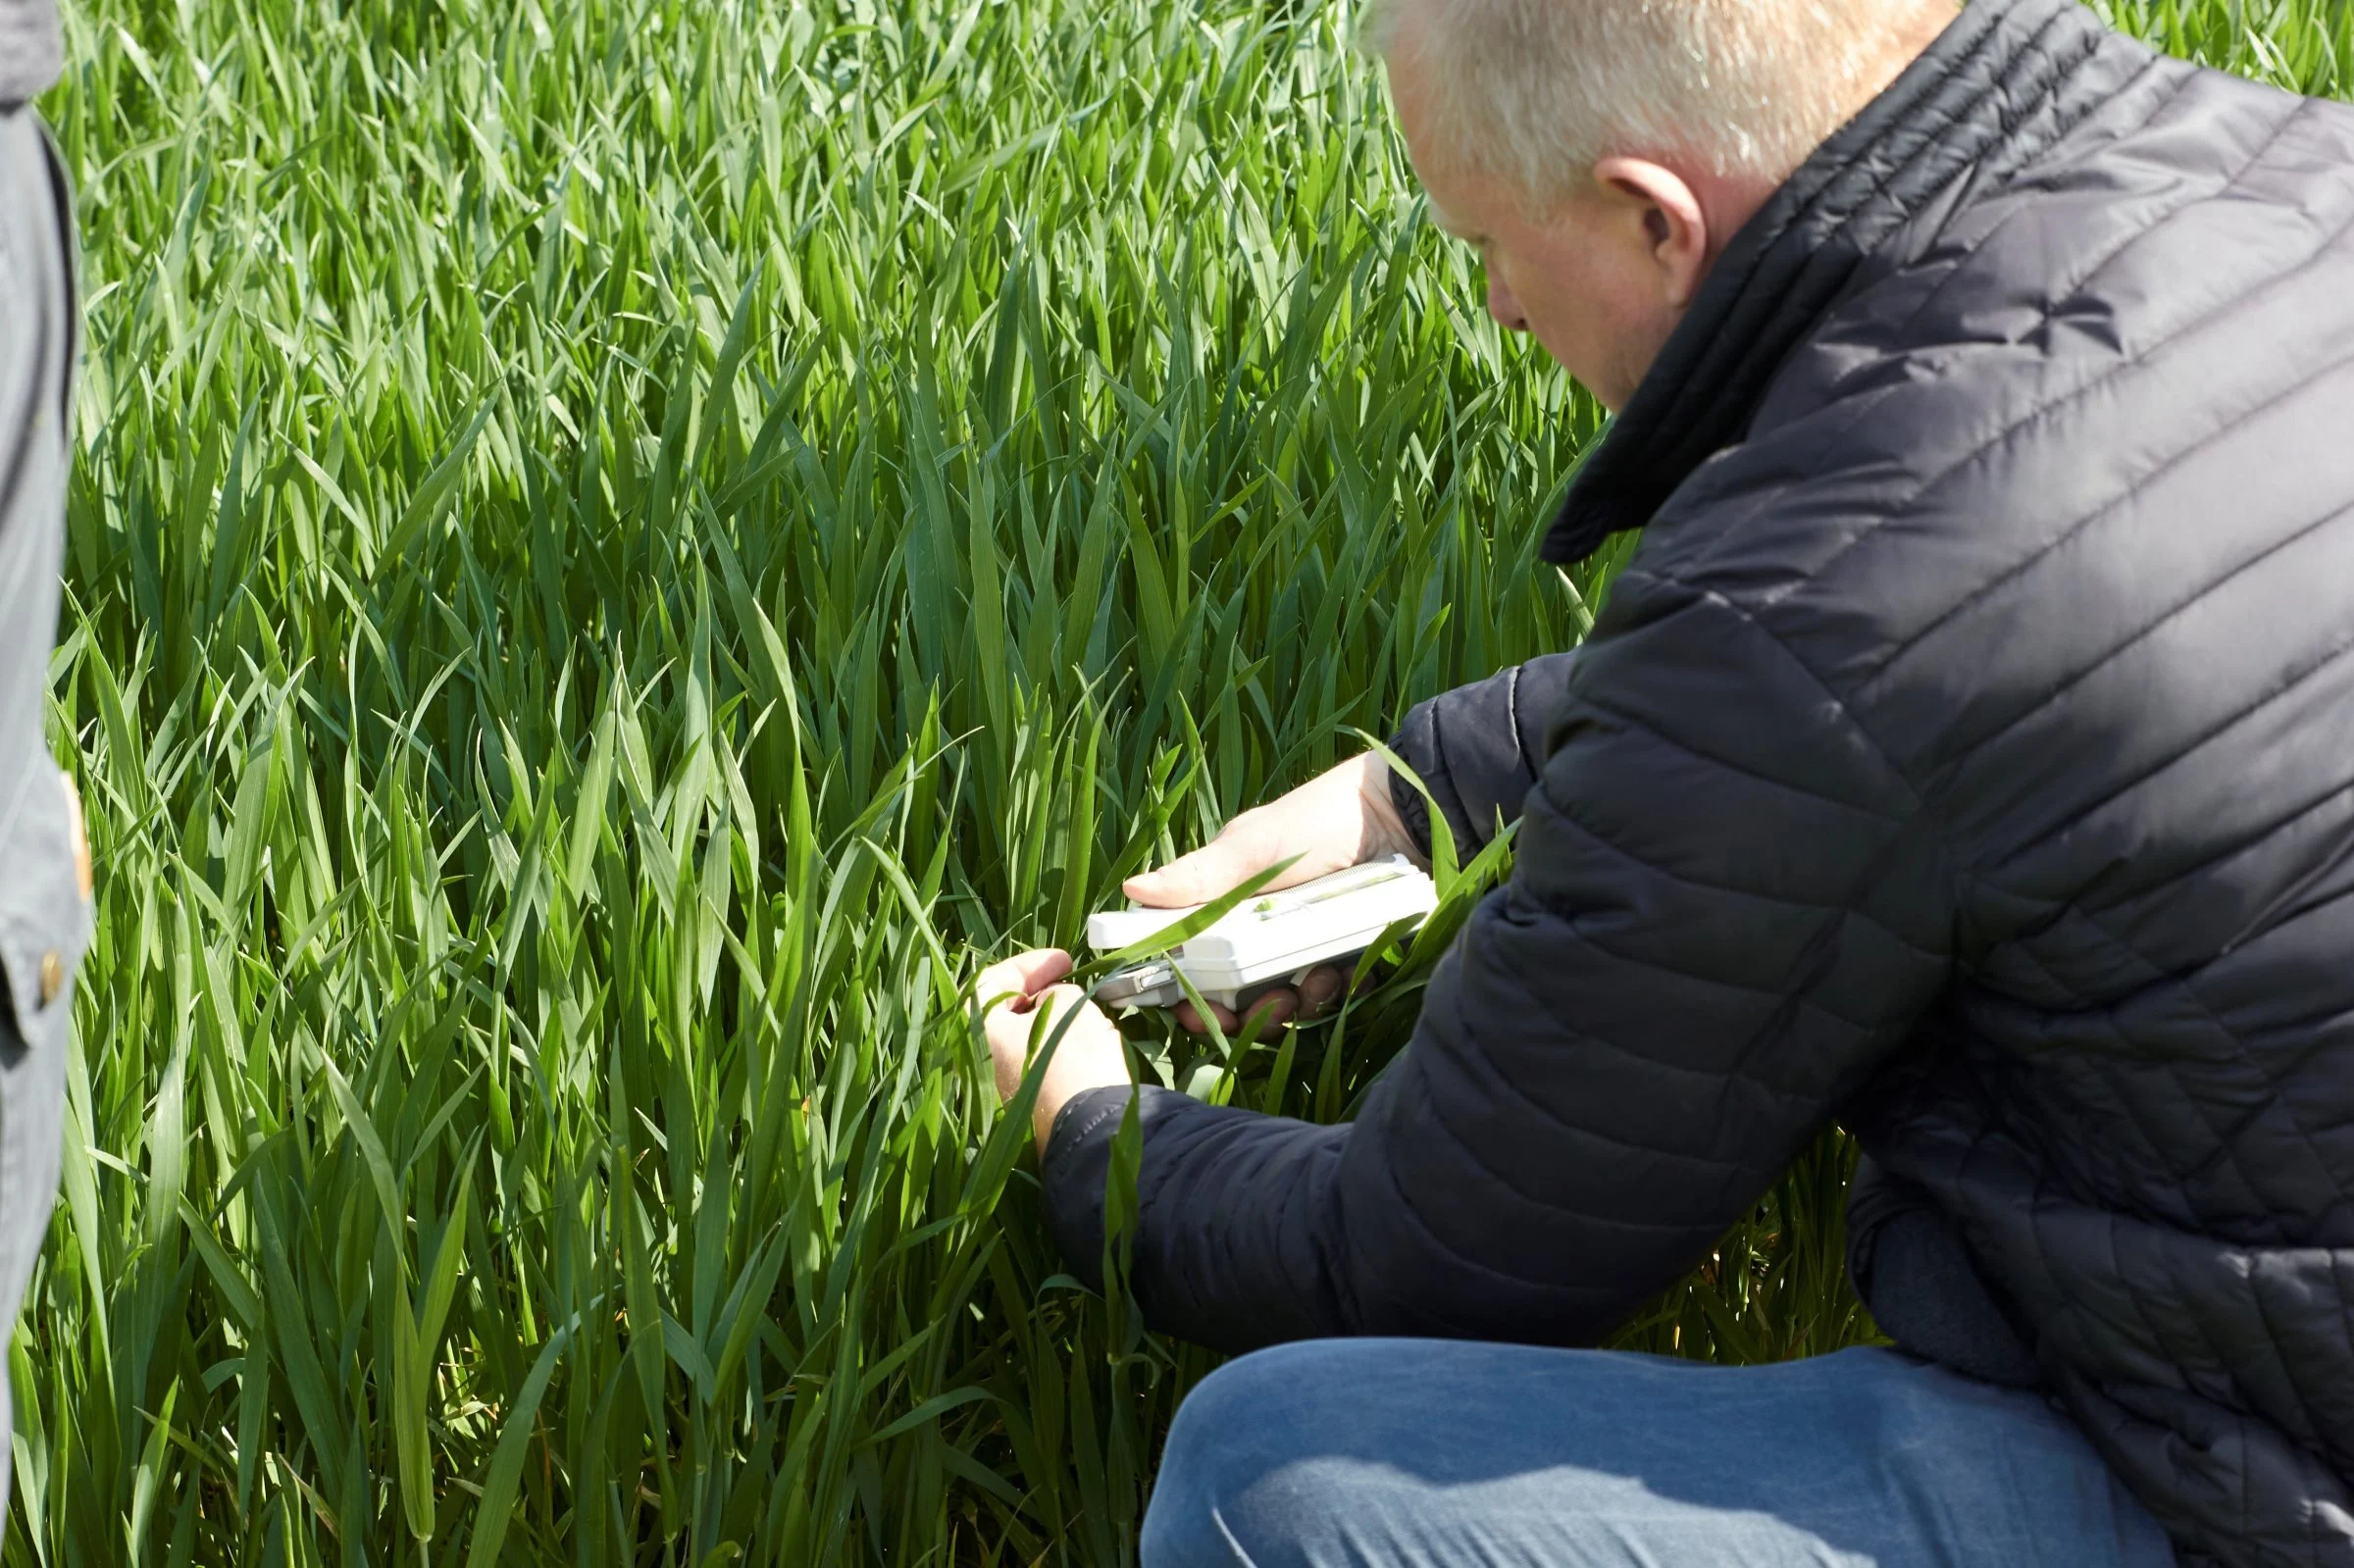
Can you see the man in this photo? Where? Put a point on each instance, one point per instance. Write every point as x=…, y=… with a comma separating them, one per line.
x=45, y=867
x=1966, y=755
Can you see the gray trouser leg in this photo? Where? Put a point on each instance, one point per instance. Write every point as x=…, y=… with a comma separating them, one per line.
x=44, y=915
x=33, y=1102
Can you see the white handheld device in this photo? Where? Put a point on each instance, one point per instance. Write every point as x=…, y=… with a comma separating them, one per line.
x=1275, y=937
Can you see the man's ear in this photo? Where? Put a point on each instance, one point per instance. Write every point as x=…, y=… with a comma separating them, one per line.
x=1674, y=222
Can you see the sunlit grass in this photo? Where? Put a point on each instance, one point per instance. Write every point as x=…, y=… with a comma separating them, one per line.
x=617, y=548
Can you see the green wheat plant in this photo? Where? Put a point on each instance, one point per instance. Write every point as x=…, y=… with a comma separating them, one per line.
x=620, y=552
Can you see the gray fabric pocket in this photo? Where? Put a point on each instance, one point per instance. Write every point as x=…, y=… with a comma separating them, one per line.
x=45, y=923
x=44, y=919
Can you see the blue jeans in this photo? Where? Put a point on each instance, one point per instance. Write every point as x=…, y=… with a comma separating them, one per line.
x=1437, y=1454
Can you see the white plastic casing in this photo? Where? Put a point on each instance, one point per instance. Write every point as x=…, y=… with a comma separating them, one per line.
x=1275, y=937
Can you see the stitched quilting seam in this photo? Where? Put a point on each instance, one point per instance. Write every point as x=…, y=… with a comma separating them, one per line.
x=2255, y=839
x=1607, y=1290
x=2238, y=422
x=2068, y=397
x=1615, y=1220
x=1902, y=778
x=1712, y=1075
x=1953, y=266
x=1632, y=724
x=2095, y=263
x=2254, y=1080
x=2294, y=679
x=1715, y=890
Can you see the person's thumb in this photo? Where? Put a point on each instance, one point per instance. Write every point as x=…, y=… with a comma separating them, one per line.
x=1058, y=1000
x=1063, y=1013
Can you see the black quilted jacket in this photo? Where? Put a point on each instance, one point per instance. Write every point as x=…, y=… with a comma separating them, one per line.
x=1966, y=755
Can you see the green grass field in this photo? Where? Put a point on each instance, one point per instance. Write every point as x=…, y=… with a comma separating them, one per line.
x=620, y=549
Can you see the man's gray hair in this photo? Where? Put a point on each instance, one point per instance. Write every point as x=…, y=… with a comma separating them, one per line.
x=1537, y=91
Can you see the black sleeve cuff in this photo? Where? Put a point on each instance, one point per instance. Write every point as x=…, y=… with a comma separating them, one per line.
x=1471, y=748
x=1221, y=1253
x=1914, y=1271
x=1414, y=812
x=1076, y=1162
x=1419, y=744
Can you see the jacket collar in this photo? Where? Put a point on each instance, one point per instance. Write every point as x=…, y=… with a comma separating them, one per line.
x=1996, y=87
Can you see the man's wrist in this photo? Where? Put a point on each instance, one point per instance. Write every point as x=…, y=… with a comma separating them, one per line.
x=1078, y=1117
x=1069, y=1078
x=1385, y=833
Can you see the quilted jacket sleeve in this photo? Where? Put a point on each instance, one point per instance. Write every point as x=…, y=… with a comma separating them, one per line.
x=1477, y=749
x=1727, y=910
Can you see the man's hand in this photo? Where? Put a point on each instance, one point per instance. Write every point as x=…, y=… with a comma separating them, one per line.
x=1331, y=821
x=1090, y=1056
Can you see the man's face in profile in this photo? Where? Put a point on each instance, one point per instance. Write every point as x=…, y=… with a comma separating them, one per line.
x=1593, y=280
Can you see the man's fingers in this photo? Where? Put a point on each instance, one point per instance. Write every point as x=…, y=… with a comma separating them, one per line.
x=1196, y=879
x=1058, y=1000
x=1249, y=846
x=1045, y=1012
x=1318, y=990
x=1190, y=1019
x=1024, y=975
x=1271, y=1011
x=1327, y=824
x=1010, y=1026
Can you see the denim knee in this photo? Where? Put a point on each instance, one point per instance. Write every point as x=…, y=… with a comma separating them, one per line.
x=1220, y=1500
